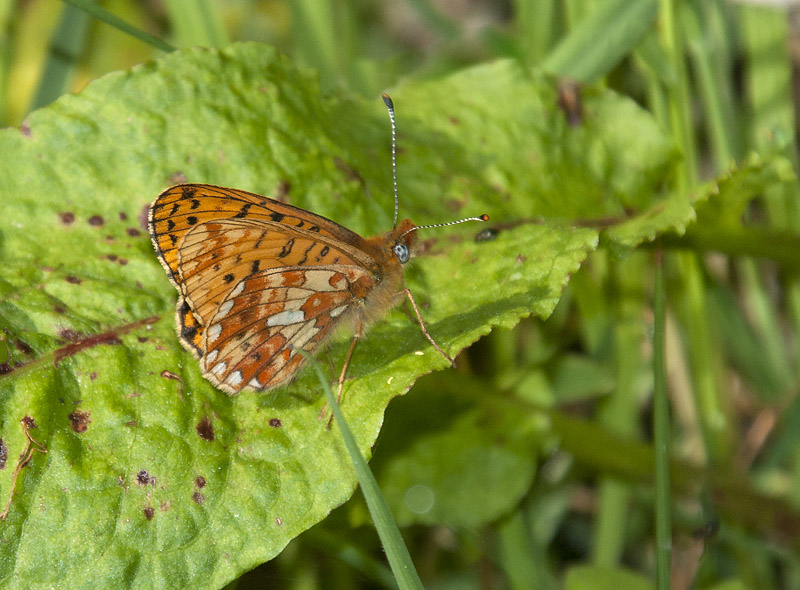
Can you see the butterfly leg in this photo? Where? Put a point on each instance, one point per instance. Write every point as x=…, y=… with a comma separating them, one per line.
x=343, y=374
x=408, y=294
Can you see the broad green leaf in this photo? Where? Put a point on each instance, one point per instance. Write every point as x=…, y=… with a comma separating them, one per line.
x=463, y=463
x=153, y=482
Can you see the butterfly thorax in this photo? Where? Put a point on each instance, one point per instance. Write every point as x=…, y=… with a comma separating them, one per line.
x=390, y=251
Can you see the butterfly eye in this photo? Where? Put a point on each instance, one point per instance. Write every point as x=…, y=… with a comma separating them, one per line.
x=401, y=251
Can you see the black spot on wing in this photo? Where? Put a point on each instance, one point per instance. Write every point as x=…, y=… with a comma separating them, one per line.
x=287, y=249
x=243, y=211
x=304, y=259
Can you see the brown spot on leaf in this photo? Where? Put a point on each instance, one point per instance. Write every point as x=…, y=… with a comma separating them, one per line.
x=67, y=217
x=133, y=232
x=29, y=422
x=132, y=423
x=454, y=120
x=96, y=221
x=278, y=520
x=199, y=481
x=205, y=429
x=25, y=131
x=520, y=259
x=3, y=454
x=144, y=478
x=5, y=368
x=198, y=497
x=142, y=339
x=275, y=422
x=149, y=513
x=123, y=216
x=72, y=279
x=59, y=309
x=79, y=421
x=93, y=376
x=69, y=335
x=23, y=347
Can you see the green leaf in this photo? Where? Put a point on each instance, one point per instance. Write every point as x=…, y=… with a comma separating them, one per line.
x=173, y=482
x=462, y=463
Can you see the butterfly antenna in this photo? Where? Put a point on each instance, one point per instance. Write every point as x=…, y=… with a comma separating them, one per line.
x=390, y=106
x=483, y=217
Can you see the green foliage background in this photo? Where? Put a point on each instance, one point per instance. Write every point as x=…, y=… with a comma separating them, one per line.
x=530, y=462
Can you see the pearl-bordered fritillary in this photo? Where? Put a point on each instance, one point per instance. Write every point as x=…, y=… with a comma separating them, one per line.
x=259, y=279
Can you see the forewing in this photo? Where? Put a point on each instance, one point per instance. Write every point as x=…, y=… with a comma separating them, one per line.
x=179, y=209
x=215, y=256
x=251, y=340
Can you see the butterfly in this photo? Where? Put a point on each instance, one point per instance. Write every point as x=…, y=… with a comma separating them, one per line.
x=259, y=279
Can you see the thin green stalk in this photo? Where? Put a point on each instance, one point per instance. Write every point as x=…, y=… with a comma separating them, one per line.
x=197, y=22
x=433, y=18
x=679, y=104
x=661, y=433
x=516, y=549
x=318, y=42
x=599, y=41
x=105, y=16
x=396, y=550
x=706, y=42
x=535, y=25
x=65, y=49
x=620, y=409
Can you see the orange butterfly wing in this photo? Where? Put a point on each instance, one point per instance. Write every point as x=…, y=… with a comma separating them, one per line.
x=238, y=260
x=252, y=339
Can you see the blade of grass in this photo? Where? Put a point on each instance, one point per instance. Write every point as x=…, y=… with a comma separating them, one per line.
x=197, y=23
x=661, y=434
x=111, y=19
x=396, y=550
x=65, y=49
x=516, y=549
x=602, y=39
